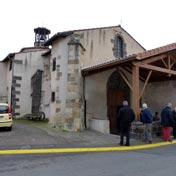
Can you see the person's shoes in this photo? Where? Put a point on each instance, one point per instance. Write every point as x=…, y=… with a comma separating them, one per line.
x=150, y=142
x=169, y=140
x=127, y=144
x=121, y=144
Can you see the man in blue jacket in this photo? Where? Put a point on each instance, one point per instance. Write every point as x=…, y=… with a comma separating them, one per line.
x=147, y=119
x=167, y=121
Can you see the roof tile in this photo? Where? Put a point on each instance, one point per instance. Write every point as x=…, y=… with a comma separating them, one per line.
x=157, y=51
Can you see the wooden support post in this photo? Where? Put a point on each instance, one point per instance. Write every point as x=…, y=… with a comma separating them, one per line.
x=145, y=84
x=135, y=91
x=169, y=65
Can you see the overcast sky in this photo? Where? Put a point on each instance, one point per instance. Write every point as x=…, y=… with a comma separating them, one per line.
x=151, y=22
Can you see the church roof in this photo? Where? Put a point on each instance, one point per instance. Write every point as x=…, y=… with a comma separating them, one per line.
x=25, y=49
x=67, y=33
x=128, y=59
x=156, y=51
x=56, y=36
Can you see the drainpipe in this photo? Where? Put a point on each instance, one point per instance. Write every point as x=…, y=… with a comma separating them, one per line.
x=12, y=87
x=84, y=102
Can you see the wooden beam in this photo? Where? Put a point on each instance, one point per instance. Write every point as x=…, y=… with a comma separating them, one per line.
x=172, y=61
x=145, y=84
x=164, y=63
x=172, y=64
x=153, y=59
x=155, y=68
x=169, y=65
x=169, y=62
x=129, y=71
x=122, y=74
x=135, y=92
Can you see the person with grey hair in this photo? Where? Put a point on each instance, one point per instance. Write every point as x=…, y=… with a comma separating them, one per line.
x=167, y=121
x=125, y=103
x=124, y=118
x=147, y=119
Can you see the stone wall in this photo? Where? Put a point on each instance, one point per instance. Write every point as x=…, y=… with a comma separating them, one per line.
x=15, y=93
x=137, y=129
x=99, y=44
x=25, y=65
x=158, y=94
x=36, y=82
x=73, y=106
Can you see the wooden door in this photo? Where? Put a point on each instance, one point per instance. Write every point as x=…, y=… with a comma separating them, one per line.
x=115, y=98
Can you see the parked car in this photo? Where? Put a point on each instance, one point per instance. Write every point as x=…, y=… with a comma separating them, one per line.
x=5, y=116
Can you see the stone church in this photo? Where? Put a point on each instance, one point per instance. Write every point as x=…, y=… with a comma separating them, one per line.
x=79, y=78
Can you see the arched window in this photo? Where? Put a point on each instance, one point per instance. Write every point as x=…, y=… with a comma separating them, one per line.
x=118, y=47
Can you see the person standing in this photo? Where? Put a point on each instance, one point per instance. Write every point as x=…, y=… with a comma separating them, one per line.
x=125, y=117
x=156, y=117
x=147, y=119
x=174, y=126
x=167, y=121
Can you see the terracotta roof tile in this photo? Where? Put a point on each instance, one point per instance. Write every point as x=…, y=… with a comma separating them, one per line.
x=156, y=51
x=130, y=58
x=108, y=63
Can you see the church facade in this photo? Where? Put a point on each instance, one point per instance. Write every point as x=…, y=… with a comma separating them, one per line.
x=79, y=78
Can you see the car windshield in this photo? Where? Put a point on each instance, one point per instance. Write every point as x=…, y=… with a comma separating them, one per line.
x=3, y=109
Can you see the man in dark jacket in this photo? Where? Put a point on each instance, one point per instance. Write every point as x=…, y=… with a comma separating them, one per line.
x=147, y=119
x=174, y=119
x=125, y=117
x=167, y=121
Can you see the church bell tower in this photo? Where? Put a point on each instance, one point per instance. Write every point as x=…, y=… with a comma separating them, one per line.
x=41, y=36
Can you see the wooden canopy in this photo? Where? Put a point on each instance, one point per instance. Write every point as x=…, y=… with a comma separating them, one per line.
x=150, y=66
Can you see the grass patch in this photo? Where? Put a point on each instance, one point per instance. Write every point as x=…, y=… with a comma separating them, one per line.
x=25, y=120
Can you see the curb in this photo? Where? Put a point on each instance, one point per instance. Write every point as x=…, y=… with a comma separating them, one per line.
x=77, y=150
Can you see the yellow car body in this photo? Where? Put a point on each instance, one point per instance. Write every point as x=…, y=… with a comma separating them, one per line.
x=5, y=116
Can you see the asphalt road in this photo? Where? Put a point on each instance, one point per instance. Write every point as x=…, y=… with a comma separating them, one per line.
x=148, y=162
x=156, y=161
x=24, y=136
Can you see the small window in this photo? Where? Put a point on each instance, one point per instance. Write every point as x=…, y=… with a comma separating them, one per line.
x=52, y=96
x=118, y=47
x=54, y=64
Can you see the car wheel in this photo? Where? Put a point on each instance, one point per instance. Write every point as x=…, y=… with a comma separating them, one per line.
x=9, y=128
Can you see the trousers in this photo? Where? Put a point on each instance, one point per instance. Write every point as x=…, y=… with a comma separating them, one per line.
x=166, y=133
x=148, y=132
x=125, y=132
